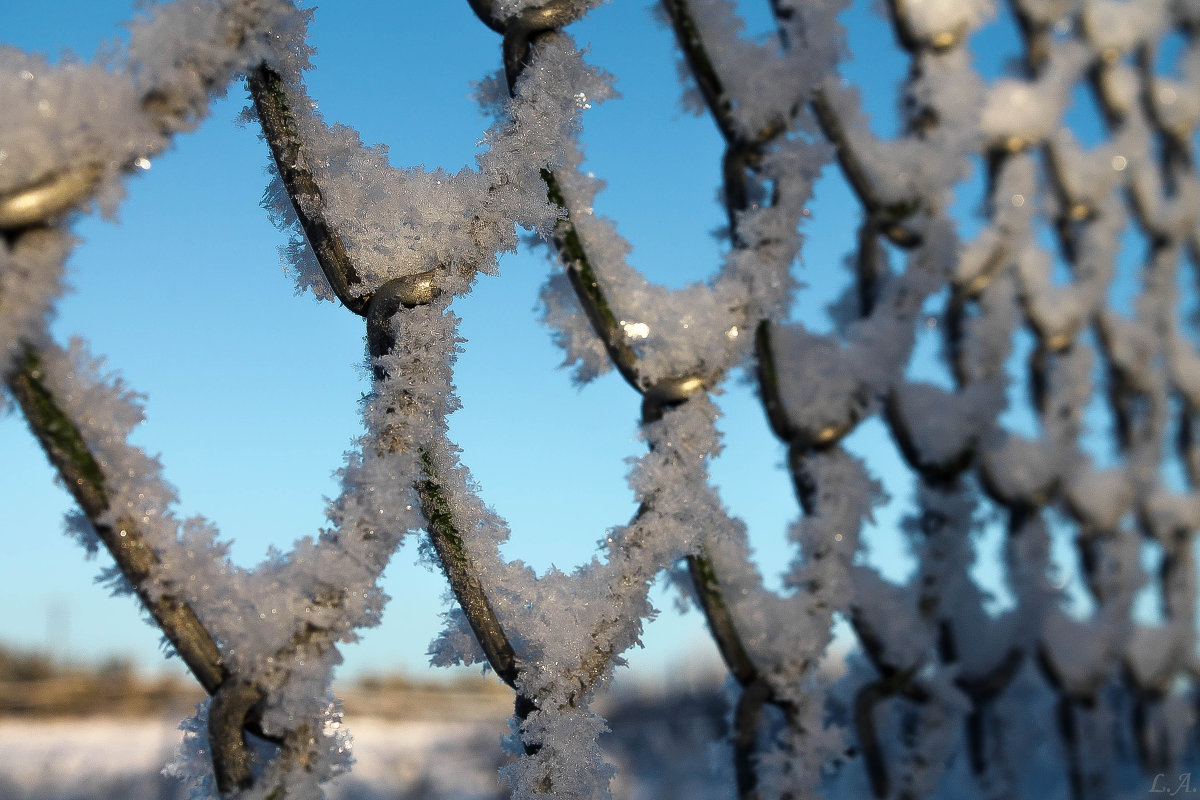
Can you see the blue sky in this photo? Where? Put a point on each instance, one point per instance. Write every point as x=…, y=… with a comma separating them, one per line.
x=252, y=392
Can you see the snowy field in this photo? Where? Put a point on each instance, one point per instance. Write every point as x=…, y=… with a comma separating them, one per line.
x=103, y=758
x=665, y=748
x=658, y=756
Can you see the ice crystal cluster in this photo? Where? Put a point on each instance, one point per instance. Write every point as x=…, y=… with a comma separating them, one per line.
x=944, y=695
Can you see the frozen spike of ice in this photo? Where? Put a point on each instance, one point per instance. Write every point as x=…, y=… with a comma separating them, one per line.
x=571, y=329
x=296, y=253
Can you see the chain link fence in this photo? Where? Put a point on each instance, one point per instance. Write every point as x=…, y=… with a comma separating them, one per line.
x=1074, y=292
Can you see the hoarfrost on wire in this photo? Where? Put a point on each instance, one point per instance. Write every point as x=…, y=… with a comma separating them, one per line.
x=421, y=219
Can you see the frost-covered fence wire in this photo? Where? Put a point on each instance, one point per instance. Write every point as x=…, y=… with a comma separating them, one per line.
x=949, y=696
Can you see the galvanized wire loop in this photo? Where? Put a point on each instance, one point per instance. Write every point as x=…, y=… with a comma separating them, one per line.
x=669, y=393
x=521, y=30
x=408, y=291
x=45, y=200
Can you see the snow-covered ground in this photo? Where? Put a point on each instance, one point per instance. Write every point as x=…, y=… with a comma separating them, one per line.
x=662, y=752
x=664, y=748
x=102, y=758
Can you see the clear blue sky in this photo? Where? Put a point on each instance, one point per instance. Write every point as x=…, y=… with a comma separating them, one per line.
x=253, y=391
